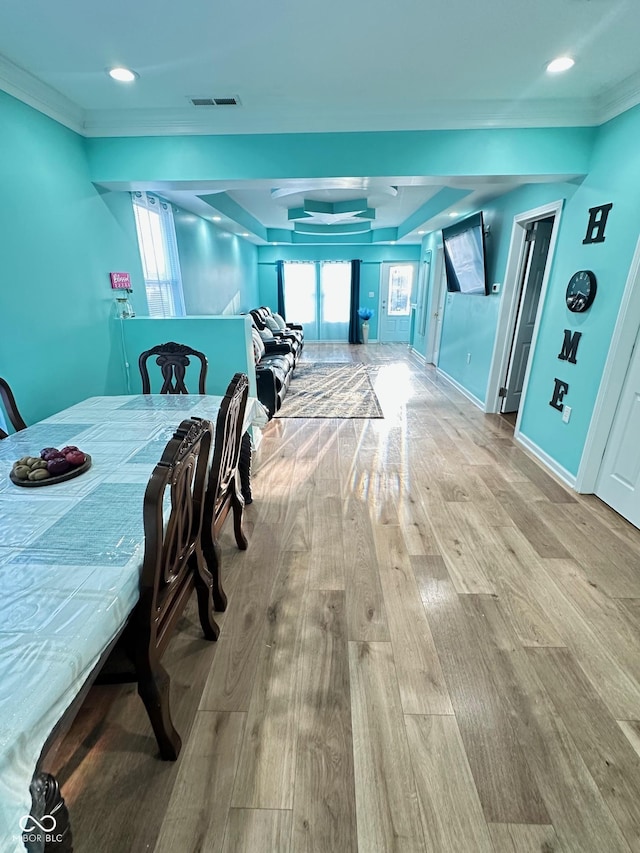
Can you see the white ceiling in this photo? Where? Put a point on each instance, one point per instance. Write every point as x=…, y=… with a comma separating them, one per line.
x=322, y=67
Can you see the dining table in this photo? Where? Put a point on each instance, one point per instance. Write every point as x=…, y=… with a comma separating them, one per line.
x=71, y=553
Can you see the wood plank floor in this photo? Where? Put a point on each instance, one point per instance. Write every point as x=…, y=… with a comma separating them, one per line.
x=430, y=645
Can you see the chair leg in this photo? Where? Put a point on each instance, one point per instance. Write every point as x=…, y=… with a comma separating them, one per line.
x=209, y=589
x=48, y=807
x=237, y=505
x=153, y=689
x=244, y=468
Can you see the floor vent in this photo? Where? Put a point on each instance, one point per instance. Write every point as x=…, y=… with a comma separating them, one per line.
x=233, y=101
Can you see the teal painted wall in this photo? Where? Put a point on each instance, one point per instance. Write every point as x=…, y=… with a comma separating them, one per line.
x=59, y=239
x=219, y=270
x=371, y=257
x=226, y=342
x=524, y=151
x=469, y=324
x=614, y=176
x=58, y=297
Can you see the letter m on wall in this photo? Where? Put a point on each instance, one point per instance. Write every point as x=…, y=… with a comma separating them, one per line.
x=570, y=346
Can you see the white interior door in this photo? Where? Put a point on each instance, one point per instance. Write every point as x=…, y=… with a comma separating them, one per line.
x=437, y=311
x=537, y=249
x=396, y=288
x=619, y=479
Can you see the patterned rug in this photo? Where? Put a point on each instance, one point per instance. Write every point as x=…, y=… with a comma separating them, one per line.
x=330, y=390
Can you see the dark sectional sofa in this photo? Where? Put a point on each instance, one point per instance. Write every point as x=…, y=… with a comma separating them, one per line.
x=276, y=352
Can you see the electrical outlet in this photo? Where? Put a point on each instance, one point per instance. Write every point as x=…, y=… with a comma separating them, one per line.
x=566, y=414
x=495, y=288
x=468, y=358
x=371, y=294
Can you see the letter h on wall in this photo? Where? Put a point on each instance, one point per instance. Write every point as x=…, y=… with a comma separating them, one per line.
x=597, y=223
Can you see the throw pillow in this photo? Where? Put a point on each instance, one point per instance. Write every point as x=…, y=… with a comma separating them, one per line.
x=265, y=334
x=271, y=324
x=281, y=323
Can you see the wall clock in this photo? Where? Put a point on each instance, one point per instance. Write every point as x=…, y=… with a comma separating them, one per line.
x=581, y=291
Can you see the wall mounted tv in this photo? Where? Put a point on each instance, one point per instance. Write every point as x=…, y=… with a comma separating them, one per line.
x=464, y=256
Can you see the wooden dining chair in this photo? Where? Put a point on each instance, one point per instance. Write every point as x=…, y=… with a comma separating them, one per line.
x=173, y=360
x=222, y=494
x=173, y=565
x=10, y=407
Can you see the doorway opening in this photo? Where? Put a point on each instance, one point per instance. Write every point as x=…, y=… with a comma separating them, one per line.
x=530, y=254
x=532, y=269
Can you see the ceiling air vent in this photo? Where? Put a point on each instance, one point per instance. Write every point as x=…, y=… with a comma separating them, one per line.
x=232, y=101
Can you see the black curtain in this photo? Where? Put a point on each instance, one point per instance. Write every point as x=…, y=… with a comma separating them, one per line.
x=280, y=280
x=354, y=325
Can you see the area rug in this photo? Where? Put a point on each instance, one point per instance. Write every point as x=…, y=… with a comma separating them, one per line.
x=330, y=390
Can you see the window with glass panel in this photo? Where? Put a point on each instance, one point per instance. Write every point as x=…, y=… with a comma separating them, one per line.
x=159, y=255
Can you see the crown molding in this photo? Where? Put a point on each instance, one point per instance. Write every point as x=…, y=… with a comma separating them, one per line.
x=436, y=115
x=429, y=115
x=618, y=99
x=30, y=90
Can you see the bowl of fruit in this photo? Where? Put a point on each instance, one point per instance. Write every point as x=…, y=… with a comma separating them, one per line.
x=52, y=466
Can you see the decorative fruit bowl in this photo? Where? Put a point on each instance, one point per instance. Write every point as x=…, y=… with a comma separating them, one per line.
x=52, y=466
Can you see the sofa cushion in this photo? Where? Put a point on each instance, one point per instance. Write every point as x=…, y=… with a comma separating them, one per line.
x=272, y=325
x=265, y=334
x=258, y=346
x=281, y=323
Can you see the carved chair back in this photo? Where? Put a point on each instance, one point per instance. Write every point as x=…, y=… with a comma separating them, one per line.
x=226, y=452
x=173, y=360
x=222, y=491
x=10, y=407
x=172, y=545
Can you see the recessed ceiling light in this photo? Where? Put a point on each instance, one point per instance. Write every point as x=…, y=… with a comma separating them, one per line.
x=453, y=213
x=217, y=218
x=562, y=63
x=122, y=75
x=245, y=234
x=274, y=244
x=422, y=232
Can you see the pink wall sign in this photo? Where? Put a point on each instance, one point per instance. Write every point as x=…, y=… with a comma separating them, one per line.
x=120, y=280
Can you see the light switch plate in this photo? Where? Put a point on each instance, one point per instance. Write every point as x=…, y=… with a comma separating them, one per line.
x=566, y=414
x=371, y=294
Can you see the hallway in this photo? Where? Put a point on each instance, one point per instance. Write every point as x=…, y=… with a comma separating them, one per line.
x=430, y=645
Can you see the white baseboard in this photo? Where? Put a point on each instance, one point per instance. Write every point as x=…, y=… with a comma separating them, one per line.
x=475, y=400
x=415, y=354
x=566, y=476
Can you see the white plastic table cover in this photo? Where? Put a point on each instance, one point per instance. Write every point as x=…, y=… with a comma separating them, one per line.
x=70, y=560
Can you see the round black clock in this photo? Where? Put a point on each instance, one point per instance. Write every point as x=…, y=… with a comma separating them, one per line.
x=581, y=290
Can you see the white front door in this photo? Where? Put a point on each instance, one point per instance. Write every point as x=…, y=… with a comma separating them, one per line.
x=396, y=287
x=619, y=479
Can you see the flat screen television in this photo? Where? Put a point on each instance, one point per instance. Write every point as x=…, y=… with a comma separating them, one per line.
x=465, y=256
